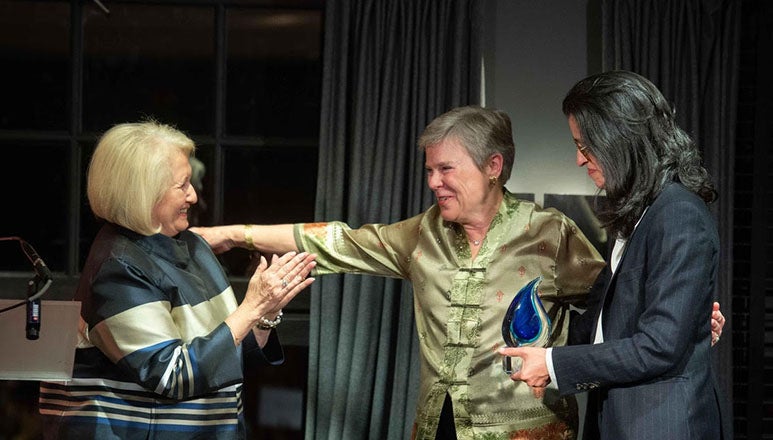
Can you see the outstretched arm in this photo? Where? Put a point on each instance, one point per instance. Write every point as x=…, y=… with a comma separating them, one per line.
x=268, y=239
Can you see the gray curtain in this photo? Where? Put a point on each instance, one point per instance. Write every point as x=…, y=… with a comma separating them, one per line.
x=390, y=66
x=690, y=50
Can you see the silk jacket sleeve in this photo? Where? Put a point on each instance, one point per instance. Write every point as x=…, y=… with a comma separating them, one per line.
x=373, y=249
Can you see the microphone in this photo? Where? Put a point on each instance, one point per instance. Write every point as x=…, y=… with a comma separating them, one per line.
x=33, y=311
x=43, y=273
x=40, y=267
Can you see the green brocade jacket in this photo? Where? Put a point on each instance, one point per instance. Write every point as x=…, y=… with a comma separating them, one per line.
x=460, y=303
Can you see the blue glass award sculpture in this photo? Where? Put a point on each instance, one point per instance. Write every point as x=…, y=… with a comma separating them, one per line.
x=526, y=323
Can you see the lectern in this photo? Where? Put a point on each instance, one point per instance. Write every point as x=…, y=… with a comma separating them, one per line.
x=51, y=356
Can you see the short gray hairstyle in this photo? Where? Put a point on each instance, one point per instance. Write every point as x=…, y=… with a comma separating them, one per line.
x=480, y=130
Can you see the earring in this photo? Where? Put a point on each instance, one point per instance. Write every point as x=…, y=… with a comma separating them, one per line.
x=492, y=180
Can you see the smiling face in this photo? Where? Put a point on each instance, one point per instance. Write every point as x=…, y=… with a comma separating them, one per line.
x=462, y=190
x=584, y=157
x=171, y=212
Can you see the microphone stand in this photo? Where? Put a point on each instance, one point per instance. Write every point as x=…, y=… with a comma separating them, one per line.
x=34, y=288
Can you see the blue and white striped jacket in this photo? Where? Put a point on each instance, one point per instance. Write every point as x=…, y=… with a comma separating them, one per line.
x=155, y=358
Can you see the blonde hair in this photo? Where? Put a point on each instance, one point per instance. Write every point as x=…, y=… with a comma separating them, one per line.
x=131, y=170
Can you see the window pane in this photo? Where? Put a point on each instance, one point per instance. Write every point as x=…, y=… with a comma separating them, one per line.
x=89, y=224
x=34, y=53
x=39, y=217
x=203, y=168
x=274, y=72
x=149, y=60
x=267, y=186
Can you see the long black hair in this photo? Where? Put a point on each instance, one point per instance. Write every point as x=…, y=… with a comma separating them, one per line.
x=629, y=127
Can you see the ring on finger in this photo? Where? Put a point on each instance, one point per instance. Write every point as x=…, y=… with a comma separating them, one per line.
x=284, y=283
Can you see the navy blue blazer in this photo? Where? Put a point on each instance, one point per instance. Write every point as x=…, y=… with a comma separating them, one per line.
x=652, y=378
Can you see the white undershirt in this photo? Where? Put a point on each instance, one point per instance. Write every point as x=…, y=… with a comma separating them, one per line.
x=617, y=253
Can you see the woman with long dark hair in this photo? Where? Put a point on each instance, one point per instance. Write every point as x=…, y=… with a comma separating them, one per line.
x=648, y=369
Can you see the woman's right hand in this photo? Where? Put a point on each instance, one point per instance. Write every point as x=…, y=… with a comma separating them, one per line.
x=218, y=237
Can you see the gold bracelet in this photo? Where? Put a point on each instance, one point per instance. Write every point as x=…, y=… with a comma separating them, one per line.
x=248, y=237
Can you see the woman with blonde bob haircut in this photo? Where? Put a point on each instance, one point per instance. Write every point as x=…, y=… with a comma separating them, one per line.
x=138, y=158
x=163, y=341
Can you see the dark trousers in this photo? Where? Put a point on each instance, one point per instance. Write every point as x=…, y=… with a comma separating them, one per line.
x=591, y=429
x=445, y=428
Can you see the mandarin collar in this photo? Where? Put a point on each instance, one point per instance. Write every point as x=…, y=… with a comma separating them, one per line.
x=173, y=249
